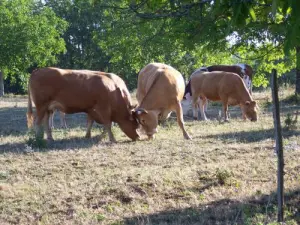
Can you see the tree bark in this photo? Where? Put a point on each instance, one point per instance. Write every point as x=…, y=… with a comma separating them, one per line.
x=1, y=84
x=297, y=70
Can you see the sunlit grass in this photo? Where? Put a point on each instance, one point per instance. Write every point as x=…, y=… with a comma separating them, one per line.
x=225, y=175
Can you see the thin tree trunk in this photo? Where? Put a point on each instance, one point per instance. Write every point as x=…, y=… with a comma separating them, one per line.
x=1, y=84
x=297, y=70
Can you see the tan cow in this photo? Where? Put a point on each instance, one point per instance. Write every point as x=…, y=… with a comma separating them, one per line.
x=226, y=87
x=243, y=70
x=72, y=91
x=160, y=90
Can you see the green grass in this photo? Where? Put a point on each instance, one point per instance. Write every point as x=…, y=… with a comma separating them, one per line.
x=225, y=175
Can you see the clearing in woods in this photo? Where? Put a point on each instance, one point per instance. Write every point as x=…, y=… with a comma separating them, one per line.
x=225, y=175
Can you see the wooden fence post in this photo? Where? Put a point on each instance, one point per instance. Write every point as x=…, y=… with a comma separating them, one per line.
x=279, y=148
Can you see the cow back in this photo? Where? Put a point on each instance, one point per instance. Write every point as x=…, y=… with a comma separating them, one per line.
x=218, y=84
x=159, y=85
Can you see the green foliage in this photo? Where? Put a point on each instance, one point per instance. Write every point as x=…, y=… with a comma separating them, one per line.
x=189, y=34
x=30, y=36
x=85, y=20
x=123, y=36
x=223, y=176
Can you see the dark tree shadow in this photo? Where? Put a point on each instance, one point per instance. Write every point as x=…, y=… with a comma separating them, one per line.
x=13, y=121
x=224, y=211
x=251, y=136
x=59, y=145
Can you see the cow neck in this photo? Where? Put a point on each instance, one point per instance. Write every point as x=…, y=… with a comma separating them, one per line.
x=247, y=94
x=146, y=100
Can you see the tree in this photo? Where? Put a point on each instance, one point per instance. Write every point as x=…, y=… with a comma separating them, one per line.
x=260, y=32
x=85, y=19
x=30, y=36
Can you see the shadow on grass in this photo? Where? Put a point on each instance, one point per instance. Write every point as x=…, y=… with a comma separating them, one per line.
x=57, y=145
x=13, y=121
x=257, y=210
x=251, y=136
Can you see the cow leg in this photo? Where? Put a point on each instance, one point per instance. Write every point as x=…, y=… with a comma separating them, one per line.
x=179, y=115
x=243, y=115
x=203, y=103
x=225, y=107
x=63, y=123
x=47, y=127
x=110, y=134
x=40, y=114
x=195, y=112
x=104, y=115
x=90, y=122
x=51, y=119
x=206, y=105
x=195, y=105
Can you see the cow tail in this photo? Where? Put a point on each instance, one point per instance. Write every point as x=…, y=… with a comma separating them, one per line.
x=29, y=115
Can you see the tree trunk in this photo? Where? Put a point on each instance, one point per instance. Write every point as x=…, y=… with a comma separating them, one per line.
x=1, y=84
x=297, y=70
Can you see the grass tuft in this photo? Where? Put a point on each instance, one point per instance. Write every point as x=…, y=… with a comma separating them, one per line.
x=35, y=141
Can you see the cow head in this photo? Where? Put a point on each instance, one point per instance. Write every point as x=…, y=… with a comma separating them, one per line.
x=249, y=108
x=148, y=121
x=128, y=123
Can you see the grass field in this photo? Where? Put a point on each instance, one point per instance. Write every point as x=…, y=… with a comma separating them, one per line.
x=225, y=175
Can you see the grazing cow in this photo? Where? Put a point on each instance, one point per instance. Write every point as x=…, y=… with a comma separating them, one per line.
x=159, y=92
x=226, y=87
x=72, y=91
x=243, y=70
x=119, y=83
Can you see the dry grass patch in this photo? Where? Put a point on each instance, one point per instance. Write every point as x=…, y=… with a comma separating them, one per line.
x=225, y=175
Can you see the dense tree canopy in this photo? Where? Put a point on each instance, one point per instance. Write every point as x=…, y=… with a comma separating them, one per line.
x=122, y=36
x=30, y=35
x=261, y=33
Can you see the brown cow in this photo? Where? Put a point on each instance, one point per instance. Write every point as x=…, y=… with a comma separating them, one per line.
x=119, y=83
x=160, y=90
x=226, y=87
x=72, y=91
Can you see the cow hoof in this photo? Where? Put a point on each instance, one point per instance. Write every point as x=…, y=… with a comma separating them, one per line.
x=151, y=137
x=50, y=140
x=112, y=141
x=187, y=137
x=88, y=136
x=226, y=121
